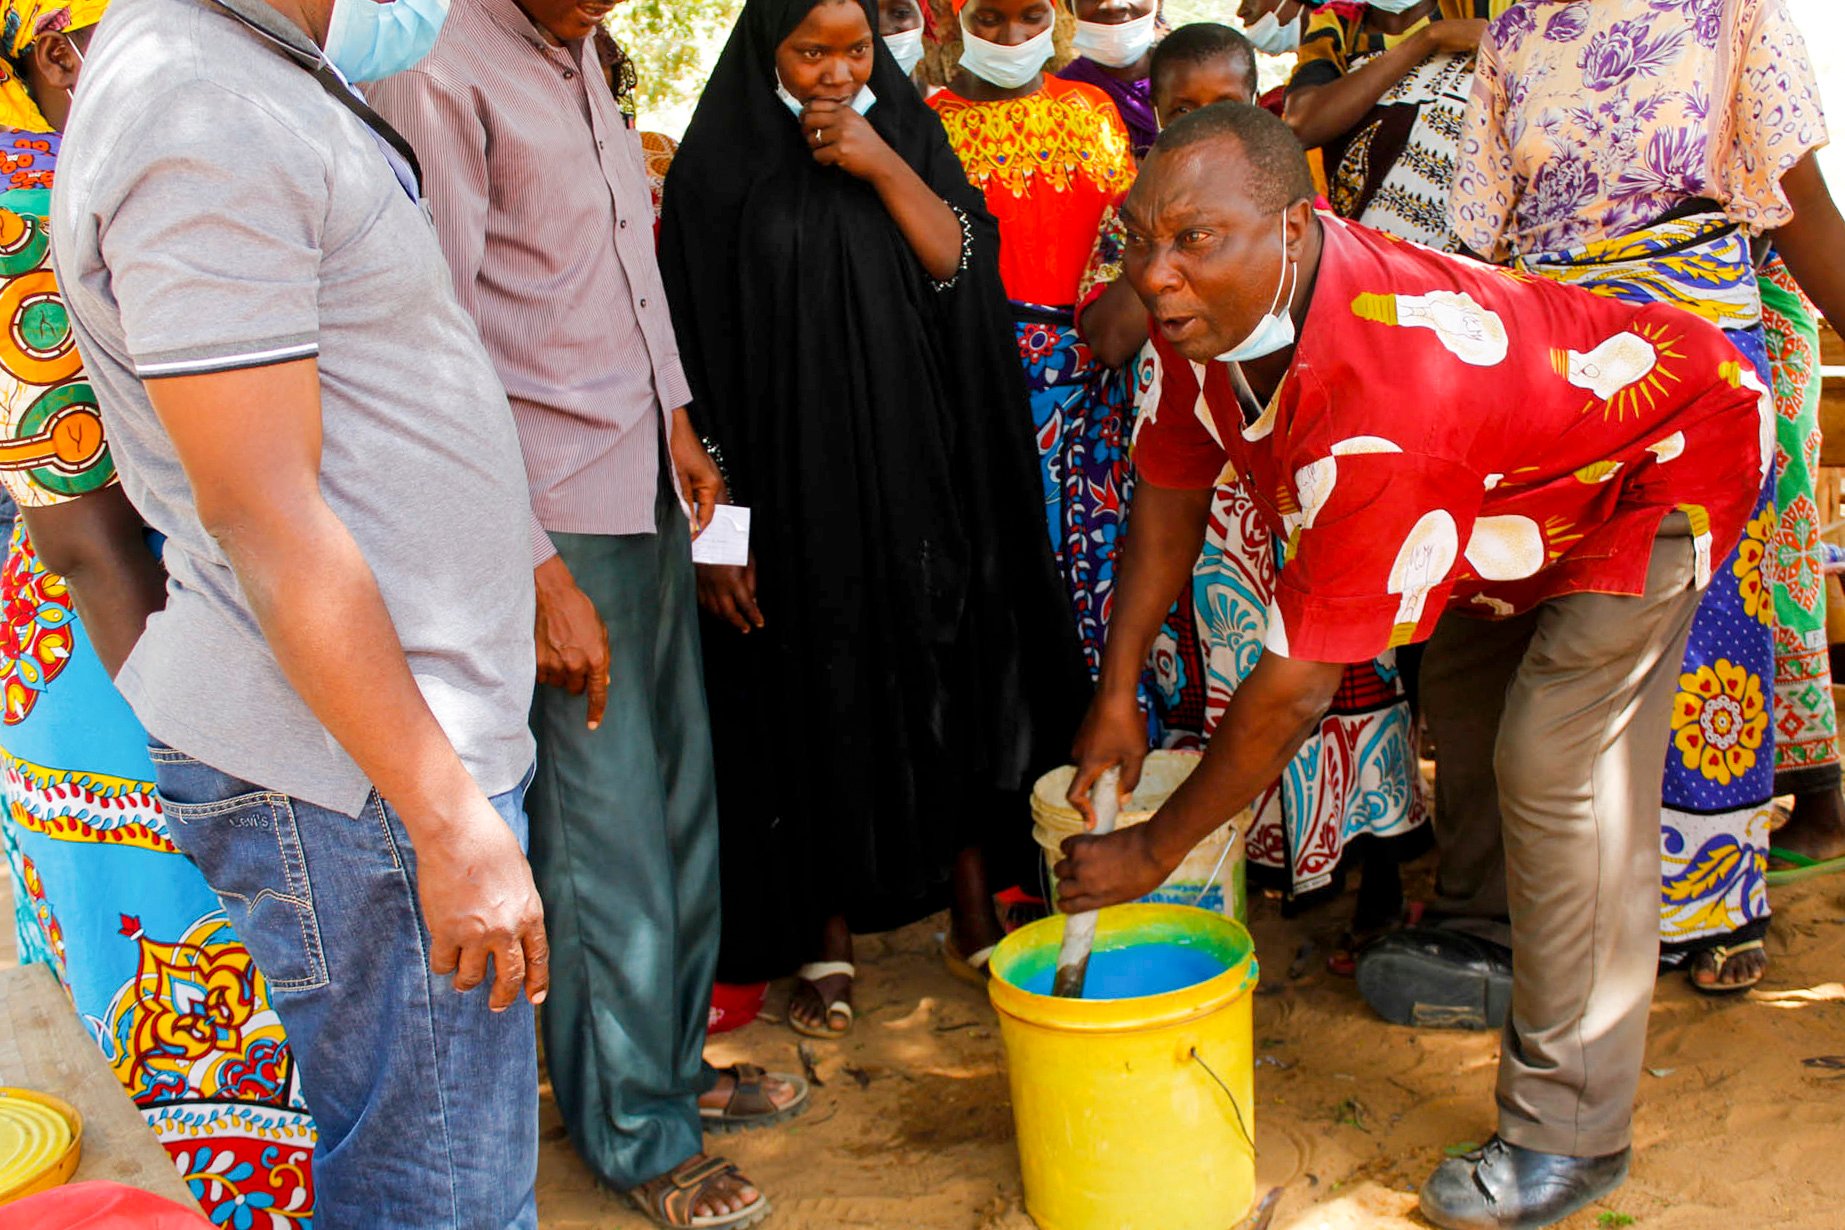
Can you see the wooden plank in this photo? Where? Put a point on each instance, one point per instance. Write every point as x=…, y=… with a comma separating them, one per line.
x=1830, y=480
x=1831, y=406
x=42, y=1047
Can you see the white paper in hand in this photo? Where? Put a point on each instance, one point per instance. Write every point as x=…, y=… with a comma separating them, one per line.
x=726, y=540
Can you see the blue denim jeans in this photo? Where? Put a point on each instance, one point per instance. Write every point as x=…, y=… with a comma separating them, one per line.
x=426, y=1102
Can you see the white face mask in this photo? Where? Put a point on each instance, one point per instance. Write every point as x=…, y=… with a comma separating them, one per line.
x=1009, y=68
x=861, y=101
x=907, y=47
x=1393, y=6
x=1275, y=331
x=1116, y=46
x=1270, y=36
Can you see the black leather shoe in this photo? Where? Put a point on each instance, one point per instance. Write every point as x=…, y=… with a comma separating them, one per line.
x=1435, y=978
x=1504, y=1187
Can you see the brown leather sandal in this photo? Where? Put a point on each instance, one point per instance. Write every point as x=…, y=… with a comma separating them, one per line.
x=672, y=1199
x=750, y=1105
x=1716, y=959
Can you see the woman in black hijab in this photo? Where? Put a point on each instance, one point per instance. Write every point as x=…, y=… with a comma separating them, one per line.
x=898, y=660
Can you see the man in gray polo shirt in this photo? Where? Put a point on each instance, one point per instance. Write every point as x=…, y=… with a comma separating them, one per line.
x=339, y=682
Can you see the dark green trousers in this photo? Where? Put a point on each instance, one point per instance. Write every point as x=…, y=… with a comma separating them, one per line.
x=625, y=852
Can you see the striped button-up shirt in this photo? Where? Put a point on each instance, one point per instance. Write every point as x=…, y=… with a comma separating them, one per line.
x=541, y=203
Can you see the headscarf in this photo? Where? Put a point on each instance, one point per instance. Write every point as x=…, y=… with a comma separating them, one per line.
x=879, y=430
x=21, y=22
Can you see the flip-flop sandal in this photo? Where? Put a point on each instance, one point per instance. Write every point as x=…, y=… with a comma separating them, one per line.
x=811, y=974
x=671, y=1199
x=1801, y=867
x=971, y=968
x=750, y=1106
x=1723, y=953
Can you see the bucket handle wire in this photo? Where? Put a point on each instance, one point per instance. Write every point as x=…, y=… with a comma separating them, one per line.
x=1211, y=883
x=1241, y=1126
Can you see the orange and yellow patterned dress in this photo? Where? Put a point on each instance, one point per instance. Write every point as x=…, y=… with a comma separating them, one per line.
x=1051, y=164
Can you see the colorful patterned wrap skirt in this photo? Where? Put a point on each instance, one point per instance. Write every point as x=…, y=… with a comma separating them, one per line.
x=1356, y=781
x=1805, y=720
x=127, y=924
x=1082, y=415
x=1720, y=767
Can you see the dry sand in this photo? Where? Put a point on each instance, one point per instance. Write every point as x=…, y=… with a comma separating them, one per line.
x=913, y=1131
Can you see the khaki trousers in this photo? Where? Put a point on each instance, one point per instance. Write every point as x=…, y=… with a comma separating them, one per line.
x=1561, y=715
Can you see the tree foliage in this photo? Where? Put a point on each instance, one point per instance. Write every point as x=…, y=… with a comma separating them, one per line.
x=673, y=44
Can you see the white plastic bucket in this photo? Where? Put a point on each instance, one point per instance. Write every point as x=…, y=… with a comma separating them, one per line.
x=1212, y=876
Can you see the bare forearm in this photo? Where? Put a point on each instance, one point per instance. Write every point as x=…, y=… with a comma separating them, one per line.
x=1115, y=325
x=929, y=226
x=1813, y=242
x=1165, y=534
x=1322, y=113
x=97, y=544
x=320, y=610
x=115, y=598
x=1270, y=716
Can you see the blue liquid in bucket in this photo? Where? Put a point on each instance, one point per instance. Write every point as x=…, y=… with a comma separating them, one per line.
x=1128, y=973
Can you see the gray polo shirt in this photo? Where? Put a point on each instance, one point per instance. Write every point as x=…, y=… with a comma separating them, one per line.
x=216, y=209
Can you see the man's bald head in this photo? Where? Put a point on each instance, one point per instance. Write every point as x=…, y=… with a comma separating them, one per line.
x=1277, y=166
x=1220, y=228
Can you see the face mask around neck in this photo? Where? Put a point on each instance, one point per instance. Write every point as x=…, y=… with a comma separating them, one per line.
x=907, y=47
x=1275, y=331
x=368, y=41
x=1272, y=37
x=861, y=101
x=1009, y=68
x=1116, y=46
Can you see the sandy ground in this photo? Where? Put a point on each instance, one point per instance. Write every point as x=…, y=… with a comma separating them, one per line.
x=912, y=1129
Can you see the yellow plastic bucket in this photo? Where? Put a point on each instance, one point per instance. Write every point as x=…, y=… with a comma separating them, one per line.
x=1212, y=876
x=1133, y=1114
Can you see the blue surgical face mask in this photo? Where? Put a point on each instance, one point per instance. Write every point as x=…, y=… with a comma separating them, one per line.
x=1116, y=46
x=368, y=41
x=1009, y=68
x=1275, y=331
x=907, y=46
x=861, y=101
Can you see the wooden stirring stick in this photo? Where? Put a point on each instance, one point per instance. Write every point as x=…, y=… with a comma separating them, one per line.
x=1079, y=929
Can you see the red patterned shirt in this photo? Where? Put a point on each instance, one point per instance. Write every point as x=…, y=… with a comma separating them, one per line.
x=1453, y=434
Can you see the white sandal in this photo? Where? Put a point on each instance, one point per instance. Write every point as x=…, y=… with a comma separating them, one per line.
x=811, y=974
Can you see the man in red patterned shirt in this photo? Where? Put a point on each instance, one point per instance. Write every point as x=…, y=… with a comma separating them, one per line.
x=1435, y=438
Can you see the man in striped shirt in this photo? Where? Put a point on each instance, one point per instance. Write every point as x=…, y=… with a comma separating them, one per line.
x=541, y=203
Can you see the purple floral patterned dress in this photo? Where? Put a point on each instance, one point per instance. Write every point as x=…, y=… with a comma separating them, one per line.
x=1630, y=146
x=1593, y=118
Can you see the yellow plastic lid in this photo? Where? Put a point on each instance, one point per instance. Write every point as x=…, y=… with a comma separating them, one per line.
x=39, y=1141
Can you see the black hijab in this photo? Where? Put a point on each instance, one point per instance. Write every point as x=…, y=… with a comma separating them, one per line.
x=920, y=655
